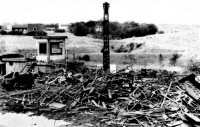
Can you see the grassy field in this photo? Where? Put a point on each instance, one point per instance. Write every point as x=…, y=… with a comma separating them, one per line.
x=139, y=60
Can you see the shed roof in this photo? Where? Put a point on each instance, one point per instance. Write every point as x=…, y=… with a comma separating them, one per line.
x=51, y=37
x=20, y=26
x=14, y=59
x=11, y=55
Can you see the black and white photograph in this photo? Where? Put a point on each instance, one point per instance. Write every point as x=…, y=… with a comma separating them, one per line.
x=99, y=63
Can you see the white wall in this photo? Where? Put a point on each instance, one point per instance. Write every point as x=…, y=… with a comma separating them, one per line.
x=14, y=67
x=52, y=57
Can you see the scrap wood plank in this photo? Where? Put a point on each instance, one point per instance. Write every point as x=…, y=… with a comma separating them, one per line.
x=109, y=94
x=170, y=99
x=175, y=124
x=56, y=105
x=92, y=83
x=91, y=89
x=123, y=98
x=75, y=102
x=18, y=93
x=95, y=103
x=192, y=117
x=78, y=108
x=134, y=113
x=104, y=105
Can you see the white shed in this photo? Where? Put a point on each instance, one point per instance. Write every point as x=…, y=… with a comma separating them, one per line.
x=50, y=48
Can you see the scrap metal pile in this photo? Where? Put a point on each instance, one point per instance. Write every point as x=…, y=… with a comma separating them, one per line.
x=144, y=98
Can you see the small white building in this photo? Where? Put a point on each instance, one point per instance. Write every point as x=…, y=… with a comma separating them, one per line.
x=50, y=48
x=63, y=26
x=7, y=28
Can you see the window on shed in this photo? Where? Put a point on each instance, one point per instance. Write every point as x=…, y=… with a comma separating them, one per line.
x=43, y=48
x=56, y=48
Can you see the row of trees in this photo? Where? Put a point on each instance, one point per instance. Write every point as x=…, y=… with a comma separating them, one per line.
x=117, y=30
x=83, y=28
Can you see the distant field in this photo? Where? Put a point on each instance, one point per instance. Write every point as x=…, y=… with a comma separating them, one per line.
x=13, y=43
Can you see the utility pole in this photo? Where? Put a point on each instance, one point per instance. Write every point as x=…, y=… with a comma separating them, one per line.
x=105, y=50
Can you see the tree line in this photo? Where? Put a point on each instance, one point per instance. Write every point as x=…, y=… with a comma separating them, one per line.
x=116, y=30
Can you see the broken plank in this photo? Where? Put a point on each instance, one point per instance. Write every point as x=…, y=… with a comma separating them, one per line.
x=18, y=93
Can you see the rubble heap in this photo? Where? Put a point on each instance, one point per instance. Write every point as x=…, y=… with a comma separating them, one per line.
x=144, y=98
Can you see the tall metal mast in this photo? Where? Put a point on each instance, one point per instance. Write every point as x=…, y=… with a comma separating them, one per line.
x=105, y=50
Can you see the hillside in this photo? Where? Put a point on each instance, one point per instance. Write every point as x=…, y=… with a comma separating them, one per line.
x=83, y=44
x=176, y=39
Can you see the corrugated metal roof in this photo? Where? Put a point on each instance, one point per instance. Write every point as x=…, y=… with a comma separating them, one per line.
x=51, y=37
x=14, y=60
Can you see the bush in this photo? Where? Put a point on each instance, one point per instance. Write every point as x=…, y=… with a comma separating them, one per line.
x=79, y=29
x=161, y=58
x=161, y=32
x=3, y=32
x=112, y=47
x=121, y=49
x=85, y=58
x=131, y=45
x=174, y=59
x=90, y=23
x=151, y=29
x=126, y=48
x=36, y=33
x=15, y=33
x=194, y=66
x=60, y=31
x=139, y=45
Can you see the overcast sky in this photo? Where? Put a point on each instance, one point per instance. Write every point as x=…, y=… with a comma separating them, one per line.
x=67, y=11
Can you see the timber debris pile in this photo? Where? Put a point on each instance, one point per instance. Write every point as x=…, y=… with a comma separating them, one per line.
x=126, y=98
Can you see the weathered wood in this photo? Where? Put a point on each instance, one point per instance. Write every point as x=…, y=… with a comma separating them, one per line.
x=18, y=93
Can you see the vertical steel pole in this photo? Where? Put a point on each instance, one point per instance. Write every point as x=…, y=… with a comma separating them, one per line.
x=105, y=50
